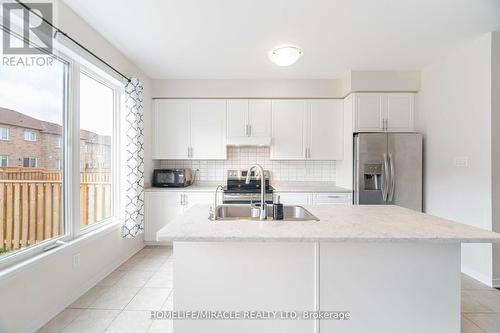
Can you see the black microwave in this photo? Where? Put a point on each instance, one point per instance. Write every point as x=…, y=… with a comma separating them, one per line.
x=172, y=177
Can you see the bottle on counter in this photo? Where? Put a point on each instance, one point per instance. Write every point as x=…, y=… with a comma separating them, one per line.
x=277, y=209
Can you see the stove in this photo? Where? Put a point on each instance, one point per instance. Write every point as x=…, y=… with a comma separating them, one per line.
x=237, y=192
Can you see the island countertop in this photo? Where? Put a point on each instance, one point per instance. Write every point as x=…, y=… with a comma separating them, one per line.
x=338, y=223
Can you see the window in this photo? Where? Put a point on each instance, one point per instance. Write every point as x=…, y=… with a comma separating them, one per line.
x=58, y=103
x=32, y=95
x=29, y=136
x=29, y=162
x=4, y=133
x=97, y=101
x=4, y=161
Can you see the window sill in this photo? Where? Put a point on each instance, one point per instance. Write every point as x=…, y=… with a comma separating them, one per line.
x=16, y=268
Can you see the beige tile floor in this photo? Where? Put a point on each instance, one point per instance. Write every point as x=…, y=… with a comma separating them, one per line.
x=123, y=300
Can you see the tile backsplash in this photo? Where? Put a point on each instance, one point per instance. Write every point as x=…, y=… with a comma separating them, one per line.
x=243, y=157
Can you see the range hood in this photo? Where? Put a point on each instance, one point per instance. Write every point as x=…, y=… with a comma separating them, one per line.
x=248, y=141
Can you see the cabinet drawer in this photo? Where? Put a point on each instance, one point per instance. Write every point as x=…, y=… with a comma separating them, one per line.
x=332, y=198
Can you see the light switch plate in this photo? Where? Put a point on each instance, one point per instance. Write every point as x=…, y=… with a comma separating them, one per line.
x=76, y=260
x=461, y=161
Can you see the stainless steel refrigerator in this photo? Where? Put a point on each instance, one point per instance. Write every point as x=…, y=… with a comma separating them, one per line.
x=388, y=169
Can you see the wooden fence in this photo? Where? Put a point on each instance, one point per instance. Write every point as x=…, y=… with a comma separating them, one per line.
x=31, y=204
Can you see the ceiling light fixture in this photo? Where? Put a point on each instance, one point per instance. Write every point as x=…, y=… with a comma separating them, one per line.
x=285, y=55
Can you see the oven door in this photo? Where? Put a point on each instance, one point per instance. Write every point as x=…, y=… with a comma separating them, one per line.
x=245, y=198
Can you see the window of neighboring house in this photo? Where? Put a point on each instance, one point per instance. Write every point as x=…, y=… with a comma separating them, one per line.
x=58, y=165
x=58, y=142
x=29, y=136
x=29, y=162
x=4, y=133
x=97, y=101
x=4, y=161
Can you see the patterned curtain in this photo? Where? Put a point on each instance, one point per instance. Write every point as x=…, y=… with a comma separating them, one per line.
x=134, y=159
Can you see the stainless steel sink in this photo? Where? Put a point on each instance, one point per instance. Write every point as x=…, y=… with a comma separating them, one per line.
x=251, y=213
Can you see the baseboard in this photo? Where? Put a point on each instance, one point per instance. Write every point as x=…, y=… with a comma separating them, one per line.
x=478, y=276
x=149, y=243
x=43, y=318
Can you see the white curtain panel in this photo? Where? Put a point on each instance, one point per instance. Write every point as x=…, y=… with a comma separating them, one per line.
x=134, y=158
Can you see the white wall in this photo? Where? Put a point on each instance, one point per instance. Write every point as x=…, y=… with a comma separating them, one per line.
x=363, y=81
x=495, y=151
x=31, y=296
x=247, y=88
x=454, y=116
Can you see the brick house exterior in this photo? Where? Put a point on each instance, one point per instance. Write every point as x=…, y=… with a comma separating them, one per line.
x=46, y=149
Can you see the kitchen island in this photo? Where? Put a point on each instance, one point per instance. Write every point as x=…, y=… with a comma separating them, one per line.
x=391, y=269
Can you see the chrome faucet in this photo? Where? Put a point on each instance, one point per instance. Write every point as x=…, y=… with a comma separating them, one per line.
x=263, y=214
x=213, y=211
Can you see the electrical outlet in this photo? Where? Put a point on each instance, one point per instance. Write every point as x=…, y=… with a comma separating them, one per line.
x=461, y=162
x=76, y=260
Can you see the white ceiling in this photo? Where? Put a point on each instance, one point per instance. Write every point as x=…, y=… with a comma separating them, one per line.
x=216, y=39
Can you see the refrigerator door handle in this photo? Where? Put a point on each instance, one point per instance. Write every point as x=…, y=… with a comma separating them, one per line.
x=385, y=183
x=393, y=179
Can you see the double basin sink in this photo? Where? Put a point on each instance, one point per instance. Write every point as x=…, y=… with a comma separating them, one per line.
x=251, y=213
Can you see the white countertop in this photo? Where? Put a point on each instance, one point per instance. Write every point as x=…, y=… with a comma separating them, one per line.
x=297, y=187
x=338, y=223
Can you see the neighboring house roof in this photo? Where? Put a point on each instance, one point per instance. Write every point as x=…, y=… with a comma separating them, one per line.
x=14, y=118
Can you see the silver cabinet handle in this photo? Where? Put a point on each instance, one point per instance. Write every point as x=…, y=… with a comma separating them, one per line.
x=249, y=130
x=334, y=196
x=246, y=129
x=386, y=178
x=393, y=179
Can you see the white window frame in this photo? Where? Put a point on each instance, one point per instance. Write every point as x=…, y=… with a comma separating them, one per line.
x=30, y=136
x=115, y=150
x=29, y=161
x=2, y=158
x=71, y=161
x=6, y=131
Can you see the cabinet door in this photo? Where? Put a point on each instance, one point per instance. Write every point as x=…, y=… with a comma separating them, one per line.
x=160, y=209
x=208, y=129
x=332, y=198
x=288, y=130
x=369, y=112
x=199, y=198
x=237, y=117
x=171, y=129
x=259, y=117
x=400, y=111
x=290, y=198
x=326, y=130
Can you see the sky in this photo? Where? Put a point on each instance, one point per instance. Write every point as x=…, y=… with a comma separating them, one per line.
x=38, y=91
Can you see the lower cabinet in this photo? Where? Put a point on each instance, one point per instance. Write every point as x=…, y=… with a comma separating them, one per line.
x=294, y=198
x=162, y=207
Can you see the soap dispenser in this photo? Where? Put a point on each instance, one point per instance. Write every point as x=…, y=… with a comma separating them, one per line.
x=277, y=209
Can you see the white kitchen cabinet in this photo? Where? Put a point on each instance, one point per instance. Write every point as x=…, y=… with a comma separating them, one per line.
x=171, y=129
x=307, y=129
x=332, y=198
x=248, y=121
x=379, y=112
x=325, y=129
x=400, y=112
x=208, y=129
x=288, y=130
x=163, y=206
x=293, y=198
x=189, y=129
x=160, y=208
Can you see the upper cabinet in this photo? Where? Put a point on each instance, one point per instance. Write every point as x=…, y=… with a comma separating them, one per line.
x=307, y=129
x=189, y=129
x=249, y=121
x=379, y=112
